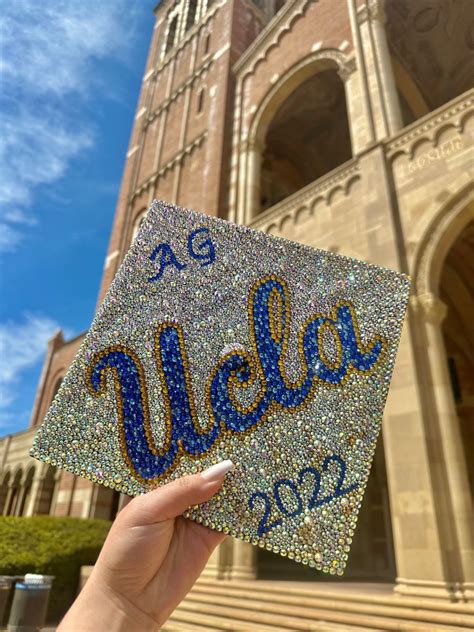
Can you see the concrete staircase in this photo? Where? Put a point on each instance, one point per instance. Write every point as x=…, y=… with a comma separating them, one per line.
x=246, y=606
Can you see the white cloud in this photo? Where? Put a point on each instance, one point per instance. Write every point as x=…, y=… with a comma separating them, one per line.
x=50, y=52
x=22, y=345
x=9, y=237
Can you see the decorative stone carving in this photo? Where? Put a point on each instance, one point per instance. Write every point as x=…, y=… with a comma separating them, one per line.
x=431, y=307
x=340, y=178
x=374, y=10
x=345, y=70
x=252, y=144
x=426, y=19
x=170, y=164
x=271, y=35
x=452, y=114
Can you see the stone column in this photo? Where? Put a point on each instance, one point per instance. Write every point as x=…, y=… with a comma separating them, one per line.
x=36, y=492
x=244, y=561
x=413, y=497
x=8, y=500
x=360, y=134
x=241, y=216
x=123, y=502
x=453, y=467
x=19, y=499
x=254, y=149
x=219, y=562
x=381, y=81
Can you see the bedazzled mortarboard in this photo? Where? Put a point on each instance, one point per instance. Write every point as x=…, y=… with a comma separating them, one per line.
x=216, y=341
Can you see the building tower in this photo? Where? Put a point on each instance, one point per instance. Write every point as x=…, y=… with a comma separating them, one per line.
x=346, y=125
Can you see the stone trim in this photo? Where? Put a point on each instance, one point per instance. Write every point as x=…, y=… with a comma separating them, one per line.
x=430, y=125
x=344, y=64
x=252, y=144
x=194, y=30
x=346, y=69
x=440, y=226
x=430, y=306
x=373, y=10
x=323, y=188
x=177, y=158
x=271, y=35
x=178, y=91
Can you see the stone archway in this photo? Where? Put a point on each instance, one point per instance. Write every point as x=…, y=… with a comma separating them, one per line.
x=4, y=491
x=307, y=137
x=456, y=291
x=372, y=555
x=26, y=489
x=327, y=71
x=448, y=231
x=13, y=496
x=46, y=492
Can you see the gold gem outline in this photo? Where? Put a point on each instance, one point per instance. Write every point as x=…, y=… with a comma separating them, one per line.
x=255, y=368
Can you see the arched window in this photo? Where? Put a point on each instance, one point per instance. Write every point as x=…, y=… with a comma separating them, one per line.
x=4, y=492
x=105, y=503
x=308, y=136
x=456, y=289
x=25, y=497
x=207, y=42
x=191, y=15
x=137, y=223
x=44, y=502
x=56, y=388
x=200, y=100
x=172, y=30
x=14, y=495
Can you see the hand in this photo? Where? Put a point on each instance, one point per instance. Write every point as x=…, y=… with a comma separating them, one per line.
x=150, y=560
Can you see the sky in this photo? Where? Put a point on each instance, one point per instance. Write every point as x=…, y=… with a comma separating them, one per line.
x=70, y=76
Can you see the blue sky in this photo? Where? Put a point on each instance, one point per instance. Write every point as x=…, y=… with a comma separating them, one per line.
x=70, y=77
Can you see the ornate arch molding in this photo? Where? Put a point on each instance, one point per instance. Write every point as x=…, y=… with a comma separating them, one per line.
x=19, y=469
x=439, y=235
x=29, y=472
x=326, y=59
x=53, y=382
x=5, y=475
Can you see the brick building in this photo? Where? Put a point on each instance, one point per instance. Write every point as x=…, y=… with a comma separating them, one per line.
x=347, y=125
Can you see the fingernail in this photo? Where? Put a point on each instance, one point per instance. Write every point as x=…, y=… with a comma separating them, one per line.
x=217, y=471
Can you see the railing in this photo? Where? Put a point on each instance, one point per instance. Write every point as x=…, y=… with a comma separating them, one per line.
x=429, y=127
x=324, y=188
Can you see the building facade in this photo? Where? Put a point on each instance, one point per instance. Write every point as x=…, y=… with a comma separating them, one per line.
x=346, y=125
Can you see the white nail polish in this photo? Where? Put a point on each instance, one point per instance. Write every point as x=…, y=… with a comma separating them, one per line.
x=217, y=471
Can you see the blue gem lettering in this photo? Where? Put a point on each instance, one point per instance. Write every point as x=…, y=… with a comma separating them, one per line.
x=269, y=324
x=203, y=251
x=166, y=257
x=200, y=248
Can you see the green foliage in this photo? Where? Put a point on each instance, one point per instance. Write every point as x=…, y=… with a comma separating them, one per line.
x=51, y=546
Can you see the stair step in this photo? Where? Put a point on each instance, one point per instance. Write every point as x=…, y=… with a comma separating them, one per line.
x=211, y=621
x=294, y=604
x=278, y=617
x=178, y=624
x=312, y=591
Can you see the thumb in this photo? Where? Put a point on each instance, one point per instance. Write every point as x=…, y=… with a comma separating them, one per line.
x=172, y=499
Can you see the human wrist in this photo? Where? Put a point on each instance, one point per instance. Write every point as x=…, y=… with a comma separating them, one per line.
x=99, y=608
